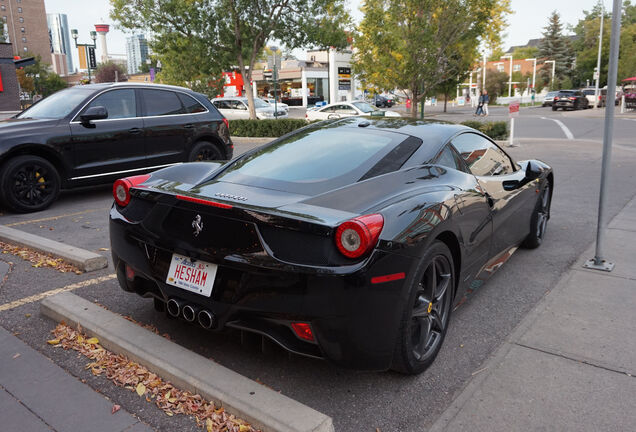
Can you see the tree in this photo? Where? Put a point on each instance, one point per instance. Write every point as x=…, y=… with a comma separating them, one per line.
x=555, y=46
x=525, y=52
x=413, y=44
x=110, y=72
x=39, y=79
x=496, y=84
x=196, y=40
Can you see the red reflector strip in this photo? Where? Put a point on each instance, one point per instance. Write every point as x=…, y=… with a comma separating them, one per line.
x=303, y=331
x=204, y=202
x=387, y=278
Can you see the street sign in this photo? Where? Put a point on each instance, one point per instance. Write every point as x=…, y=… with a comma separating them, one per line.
x=92, y=61
x=513, y=109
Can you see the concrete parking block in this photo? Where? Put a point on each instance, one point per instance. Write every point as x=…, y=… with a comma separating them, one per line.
x=607, y=340
x=552, y=394
x=81, y=258
x=261, y=406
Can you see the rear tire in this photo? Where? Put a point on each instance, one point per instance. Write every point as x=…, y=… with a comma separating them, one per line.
x=205, y=151
x=28, y=184
x=554, y=108
x=427, y=312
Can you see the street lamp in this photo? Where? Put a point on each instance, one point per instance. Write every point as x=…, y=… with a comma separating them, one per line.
x=274, y=49
x=75, y=35
x=553, y=71
x=510, y=78
x=534, y=70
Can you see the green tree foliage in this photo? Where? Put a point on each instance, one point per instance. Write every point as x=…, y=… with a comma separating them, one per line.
x=39, y=79
x=586, y=45
x=417, y=45
x=110, y=72
x=496, y=84
x=525, y=52
x=196, y=40
x=555, y=46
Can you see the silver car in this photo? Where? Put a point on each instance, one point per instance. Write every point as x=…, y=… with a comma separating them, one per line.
x=235, y=108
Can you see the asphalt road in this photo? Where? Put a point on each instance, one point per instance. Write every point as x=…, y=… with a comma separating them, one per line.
x=357, y=401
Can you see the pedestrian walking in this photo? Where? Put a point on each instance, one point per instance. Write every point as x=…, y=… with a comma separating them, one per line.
x=480, y=107
x=484, y=102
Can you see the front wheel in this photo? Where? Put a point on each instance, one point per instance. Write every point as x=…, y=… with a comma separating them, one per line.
x=539, y=221
x=427, y=312
x=205, y=151
x=28, y=184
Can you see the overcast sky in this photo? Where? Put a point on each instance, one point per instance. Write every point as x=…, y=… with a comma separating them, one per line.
x=527, y=21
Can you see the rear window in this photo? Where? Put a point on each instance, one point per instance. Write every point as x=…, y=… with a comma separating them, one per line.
x=588, y=92
x=314, y=161
x=566, y=93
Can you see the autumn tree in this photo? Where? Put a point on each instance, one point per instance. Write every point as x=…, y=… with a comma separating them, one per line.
x=196, y=40
x=110, y=72
x=417, y=45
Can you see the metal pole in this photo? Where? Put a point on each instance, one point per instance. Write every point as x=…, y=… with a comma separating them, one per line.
x=483, y=75
x=598, y=59
x=553, y=71
x=510, y=80
x=275, y=87
x=599, y=262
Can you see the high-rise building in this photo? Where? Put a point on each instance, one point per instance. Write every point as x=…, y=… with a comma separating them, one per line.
x=60, y=37
x=136, y=51
x=26, y=27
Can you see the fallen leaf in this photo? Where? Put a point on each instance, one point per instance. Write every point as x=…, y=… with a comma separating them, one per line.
x=27, y=315
x=141, y=389
x=209, y=426
x=92, y=340
x=53, y=341
x=16, y=355
x=169, y=413
x=115, y=409
x=103, y=249
x=243, y=428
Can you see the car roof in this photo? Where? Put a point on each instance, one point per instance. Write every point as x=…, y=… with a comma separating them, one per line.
x=239, y=98
x=432, y=132
x=102, y=86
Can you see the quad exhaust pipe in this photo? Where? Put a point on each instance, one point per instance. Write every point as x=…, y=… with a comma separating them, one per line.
x=190, y=313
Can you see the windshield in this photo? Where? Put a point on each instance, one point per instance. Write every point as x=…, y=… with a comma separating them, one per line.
x=588, y=92
x=364, y=107
x=58, y=105
x=259, y=103
x=317, y=160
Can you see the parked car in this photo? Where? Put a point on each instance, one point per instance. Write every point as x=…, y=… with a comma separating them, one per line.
x=590, y=94
x=236, y=108
x=92, y=134
x=347, y=109
x=603, y=97
x=549, y=98
x=349, y=240
x=383, y=101
x=279, y=105
x=572, y=99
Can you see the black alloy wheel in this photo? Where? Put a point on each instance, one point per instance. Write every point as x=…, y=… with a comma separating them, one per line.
x=427, y=314
x=539, y=221
x=205, y=151
x=29, y=184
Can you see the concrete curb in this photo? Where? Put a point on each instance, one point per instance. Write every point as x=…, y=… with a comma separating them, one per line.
x=261, y=406
x=81, y=258
x=251, y=140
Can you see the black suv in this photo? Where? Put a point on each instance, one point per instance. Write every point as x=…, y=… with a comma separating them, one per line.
x=573, y=99
x=99, y=132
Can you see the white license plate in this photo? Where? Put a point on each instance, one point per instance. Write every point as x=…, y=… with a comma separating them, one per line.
x=194, y=276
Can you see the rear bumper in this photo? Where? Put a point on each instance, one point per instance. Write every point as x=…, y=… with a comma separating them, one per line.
x=354, y=322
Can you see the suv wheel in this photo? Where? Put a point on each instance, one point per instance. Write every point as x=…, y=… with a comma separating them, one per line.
x=28, y=184
x=205, y=151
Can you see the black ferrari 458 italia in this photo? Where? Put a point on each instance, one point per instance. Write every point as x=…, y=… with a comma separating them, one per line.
x=348, y=240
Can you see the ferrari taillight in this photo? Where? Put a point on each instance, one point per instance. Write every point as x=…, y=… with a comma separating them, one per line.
x=121, y=188
x=358, y=236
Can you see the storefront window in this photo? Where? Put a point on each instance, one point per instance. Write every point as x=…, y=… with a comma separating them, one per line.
x=318, y=90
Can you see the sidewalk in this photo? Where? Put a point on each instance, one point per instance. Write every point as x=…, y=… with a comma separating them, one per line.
x=37, y=395
x=571, y=363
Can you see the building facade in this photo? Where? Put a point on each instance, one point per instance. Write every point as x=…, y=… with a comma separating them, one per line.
x=26, y=27
x=59, y=34
x=136, y=52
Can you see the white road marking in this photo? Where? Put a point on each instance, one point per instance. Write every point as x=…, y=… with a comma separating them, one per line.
x=40, y=296
x=563, y=127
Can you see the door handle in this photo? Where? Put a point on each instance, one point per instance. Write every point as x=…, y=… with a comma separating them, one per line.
x=189, y=126
x=135, y=131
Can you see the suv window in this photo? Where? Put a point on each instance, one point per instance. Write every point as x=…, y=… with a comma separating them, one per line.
x=191, y=105
x=162, y=102
x=119, y=103
x=482, y=156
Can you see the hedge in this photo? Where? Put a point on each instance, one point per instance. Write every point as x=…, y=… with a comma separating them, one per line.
x=497, y=130
x=265, y=128
x=275, y=128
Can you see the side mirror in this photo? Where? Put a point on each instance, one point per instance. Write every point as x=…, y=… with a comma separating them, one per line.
x=533, y=171
x=93, y=113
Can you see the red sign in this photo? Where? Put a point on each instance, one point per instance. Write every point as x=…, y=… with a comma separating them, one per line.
x=513, y=108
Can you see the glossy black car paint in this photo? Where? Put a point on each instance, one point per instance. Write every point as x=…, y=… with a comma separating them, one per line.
x=276, y=254
x=100, y=151
x=571, y=99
